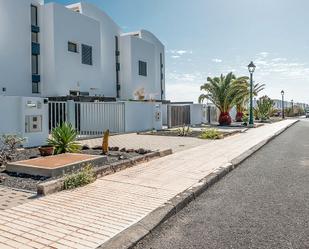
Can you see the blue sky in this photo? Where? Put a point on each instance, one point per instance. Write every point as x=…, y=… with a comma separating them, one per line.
x=209, y=37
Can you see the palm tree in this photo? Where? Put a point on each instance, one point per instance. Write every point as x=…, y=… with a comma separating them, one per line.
x=242, y=102
x=224, y=92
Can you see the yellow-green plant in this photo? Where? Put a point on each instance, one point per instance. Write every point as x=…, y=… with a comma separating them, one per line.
x=211, y=134
x=81, y=178
x=63, y=139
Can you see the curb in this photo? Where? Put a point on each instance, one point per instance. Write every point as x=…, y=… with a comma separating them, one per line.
x=57, y=185
x=132, y=235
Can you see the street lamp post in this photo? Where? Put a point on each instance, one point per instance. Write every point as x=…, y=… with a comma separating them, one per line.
x=282, y=94
x=292, y=101
x=251, y=68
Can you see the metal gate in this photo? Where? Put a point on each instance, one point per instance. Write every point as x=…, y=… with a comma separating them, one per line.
x=57, y=113
x=178, y=115
x=92, y=119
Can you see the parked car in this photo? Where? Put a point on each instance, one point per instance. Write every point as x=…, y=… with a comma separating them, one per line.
x=307, y=114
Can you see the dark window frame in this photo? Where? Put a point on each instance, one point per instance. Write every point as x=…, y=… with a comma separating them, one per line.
x=142, y=68
x=71, y=45
x=87, y=57
x=34, y=11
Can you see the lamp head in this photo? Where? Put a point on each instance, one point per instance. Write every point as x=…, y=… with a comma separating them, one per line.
x=251, y=67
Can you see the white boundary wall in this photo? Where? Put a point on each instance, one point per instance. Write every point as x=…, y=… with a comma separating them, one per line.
x=13, y=113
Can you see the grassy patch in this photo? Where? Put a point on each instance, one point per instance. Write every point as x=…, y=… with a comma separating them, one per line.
x=211, y=134
x=81, y=178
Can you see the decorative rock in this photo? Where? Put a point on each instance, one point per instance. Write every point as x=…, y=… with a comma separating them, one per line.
x=123, y=150
x=141, y=151
x=98, y=147
x=130, y=151
x=114, y=148
x=2, y=179
x=85, y=147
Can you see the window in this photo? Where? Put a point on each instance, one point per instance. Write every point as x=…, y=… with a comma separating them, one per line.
x=34, y=37
x=72, y=47
x=35, y=64
x=34, y=15
x=142, y=68
x=86, y=54
x=35, y=87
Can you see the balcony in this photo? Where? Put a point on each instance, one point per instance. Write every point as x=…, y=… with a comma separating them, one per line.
x=35, y=48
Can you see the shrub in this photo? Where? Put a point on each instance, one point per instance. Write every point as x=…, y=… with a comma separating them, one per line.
x=81, y=178
x=211, y=134
x=264, y=109
x=184, y=131
x=63, y=139
x=8, y=147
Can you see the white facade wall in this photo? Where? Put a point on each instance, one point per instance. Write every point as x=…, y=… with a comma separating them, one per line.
x=15, y=47
x=142, y=116
x=15, y=122
x=198, y=114
x=61, y=70
x=142, y=47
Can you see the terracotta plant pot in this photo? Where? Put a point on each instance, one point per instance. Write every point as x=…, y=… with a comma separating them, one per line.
x=225, y=119
x=46, y=150
x=239, y=116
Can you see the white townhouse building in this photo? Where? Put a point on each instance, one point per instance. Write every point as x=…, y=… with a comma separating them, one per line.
x=50, y=50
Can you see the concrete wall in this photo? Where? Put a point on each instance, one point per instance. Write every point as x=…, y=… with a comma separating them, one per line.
x=15, y=47
x=135, y=48
x=108, y=30
x=198, y=114
x=15, y=122
x=141, y=116
x=63, y=70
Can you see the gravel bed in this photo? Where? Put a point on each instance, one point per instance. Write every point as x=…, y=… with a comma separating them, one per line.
x=28, y=182
x=174, y=133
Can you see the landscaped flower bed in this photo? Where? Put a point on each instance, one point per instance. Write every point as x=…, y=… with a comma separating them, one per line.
x=30, y=182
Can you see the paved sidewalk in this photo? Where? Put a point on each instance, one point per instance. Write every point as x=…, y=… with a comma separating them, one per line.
x=12, y=197
x=89, y=216
x=150, y=142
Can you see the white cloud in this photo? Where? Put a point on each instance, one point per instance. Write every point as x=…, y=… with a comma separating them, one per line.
x=216, y=60
x=263, y=54
x=175, y=56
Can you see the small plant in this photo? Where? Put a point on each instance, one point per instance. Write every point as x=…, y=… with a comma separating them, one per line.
x=63, y=139
x=211, y=134
x=8, y=147
x=245, y=119
x=184, y=131
x=81, y=178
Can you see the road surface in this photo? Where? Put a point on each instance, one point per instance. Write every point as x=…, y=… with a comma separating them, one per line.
x=264, y=203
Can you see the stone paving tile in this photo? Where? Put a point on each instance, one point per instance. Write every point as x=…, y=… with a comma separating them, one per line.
x=89, y=216
x=10, y=197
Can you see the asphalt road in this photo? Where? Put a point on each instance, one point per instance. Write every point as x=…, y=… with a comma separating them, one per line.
x=264, y=203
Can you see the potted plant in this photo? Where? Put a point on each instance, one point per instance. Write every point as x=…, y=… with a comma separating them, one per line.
x=46, y=150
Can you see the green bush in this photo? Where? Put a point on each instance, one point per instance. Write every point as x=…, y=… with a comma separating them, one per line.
x=81, y=178
x=184, y=131
x=211, y=134
x=63, y=139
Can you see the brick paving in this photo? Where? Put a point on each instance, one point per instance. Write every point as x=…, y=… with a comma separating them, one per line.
x=89, y=216
x=10, y=197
